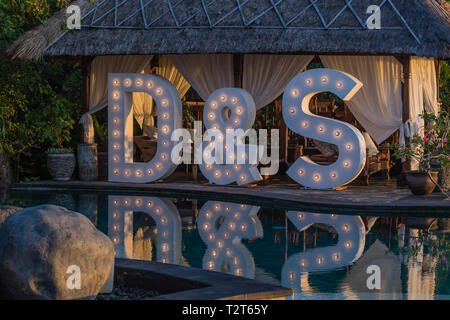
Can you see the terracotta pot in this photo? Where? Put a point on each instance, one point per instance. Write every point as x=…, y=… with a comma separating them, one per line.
x=420, y=183
x=61, y=166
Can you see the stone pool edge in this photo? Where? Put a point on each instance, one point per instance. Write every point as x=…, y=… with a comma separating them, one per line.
x=307, y=200
x=211, y=285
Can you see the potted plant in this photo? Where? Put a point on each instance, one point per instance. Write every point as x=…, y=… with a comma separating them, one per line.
x=60, y=160
x=431, y=151
x=60, y=163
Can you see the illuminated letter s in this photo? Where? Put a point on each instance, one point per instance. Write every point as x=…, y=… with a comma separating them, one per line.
x=351, y=143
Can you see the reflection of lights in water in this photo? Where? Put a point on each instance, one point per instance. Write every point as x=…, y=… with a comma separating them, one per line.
x=223, y=240
x=167, y=230
x=351, y=240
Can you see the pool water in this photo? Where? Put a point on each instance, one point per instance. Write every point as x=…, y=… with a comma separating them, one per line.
x=320, y=256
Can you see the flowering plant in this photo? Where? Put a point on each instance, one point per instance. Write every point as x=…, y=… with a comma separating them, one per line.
x=430, y=149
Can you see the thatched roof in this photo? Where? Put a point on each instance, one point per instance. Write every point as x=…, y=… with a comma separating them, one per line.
x=31, y=45
x=415, y=27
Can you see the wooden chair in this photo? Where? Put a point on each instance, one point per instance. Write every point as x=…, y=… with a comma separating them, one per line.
x=374, y=164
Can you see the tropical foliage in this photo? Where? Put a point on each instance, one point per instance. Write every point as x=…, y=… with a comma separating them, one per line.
x=39, y=101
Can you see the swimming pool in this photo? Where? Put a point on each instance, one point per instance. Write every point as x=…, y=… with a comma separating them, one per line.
x=320, y=256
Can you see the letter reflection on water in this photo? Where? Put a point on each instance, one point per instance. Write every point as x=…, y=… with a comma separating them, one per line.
x=351, y=239
x=224, y=241
x=163, y=212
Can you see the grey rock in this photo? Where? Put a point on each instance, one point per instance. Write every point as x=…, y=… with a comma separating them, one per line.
x=6, y=211
x=39, y=244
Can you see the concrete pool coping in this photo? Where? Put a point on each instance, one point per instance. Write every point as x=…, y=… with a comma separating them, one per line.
x=192, y=283
x=383, y=199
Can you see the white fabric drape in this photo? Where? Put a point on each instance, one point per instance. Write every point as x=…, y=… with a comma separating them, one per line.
x=266, y=76
x=142, y=103
x=378, y=104
x=423, y=92
x=143, y=107
x=98, y=91
x=206, y=72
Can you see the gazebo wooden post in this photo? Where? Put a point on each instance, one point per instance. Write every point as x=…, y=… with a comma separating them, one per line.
x=238, y=69
x=406, y=108
x=437, y=64
x=283, y=132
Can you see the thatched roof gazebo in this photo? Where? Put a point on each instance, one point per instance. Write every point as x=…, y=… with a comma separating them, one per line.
x=246, y=39
x=408, y=27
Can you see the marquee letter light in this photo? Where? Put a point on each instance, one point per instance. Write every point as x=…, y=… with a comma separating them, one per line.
x=229, y=109
x=351, y=240
x=351, y=143
x=224, y=242
x=163, y=212
x=121, y=165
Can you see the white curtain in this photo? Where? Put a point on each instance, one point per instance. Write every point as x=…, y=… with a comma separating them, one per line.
x=143, y=107
x=206, y=72
x=142, y=103
x=266, y=76
x=378, y=104
x=98, y=91
x=424, y=91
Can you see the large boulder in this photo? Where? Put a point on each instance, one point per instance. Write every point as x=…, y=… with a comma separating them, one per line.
x=50, y=252
x=6, y=211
